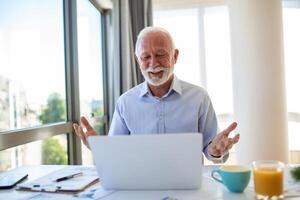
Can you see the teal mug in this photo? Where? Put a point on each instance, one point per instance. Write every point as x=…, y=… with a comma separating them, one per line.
x=235, y=178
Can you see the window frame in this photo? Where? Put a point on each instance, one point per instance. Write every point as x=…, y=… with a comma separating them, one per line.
x=16, y=137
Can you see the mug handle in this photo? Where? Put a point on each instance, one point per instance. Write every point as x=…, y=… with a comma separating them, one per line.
x=213, y=172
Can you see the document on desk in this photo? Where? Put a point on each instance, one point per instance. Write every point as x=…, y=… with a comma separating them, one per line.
x=69, y=183
x=95, y=193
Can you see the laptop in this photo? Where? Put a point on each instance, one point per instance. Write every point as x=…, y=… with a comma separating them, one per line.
x=148, y=162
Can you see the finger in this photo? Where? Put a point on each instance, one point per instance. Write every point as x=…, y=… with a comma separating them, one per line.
x=236, y=138
x=230, y=128
x=81, y=134
x=86, y=124
x=75, y=126
x=233, y=141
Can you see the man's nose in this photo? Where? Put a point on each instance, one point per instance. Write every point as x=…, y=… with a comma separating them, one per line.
x=154, y=62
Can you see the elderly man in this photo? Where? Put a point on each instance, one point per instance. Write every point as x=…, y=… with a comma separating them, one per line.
x=163, y=103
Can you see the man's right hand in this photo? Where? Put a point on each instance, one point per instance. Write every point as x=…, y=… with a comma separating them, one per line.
x=84, y=130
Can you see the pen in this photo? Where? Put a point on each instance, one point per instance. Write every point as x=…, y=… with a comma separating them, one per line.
x=68, y=177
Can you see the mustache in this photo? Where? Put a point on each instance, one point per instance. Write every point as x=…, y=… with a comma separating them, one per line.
x=156, y=69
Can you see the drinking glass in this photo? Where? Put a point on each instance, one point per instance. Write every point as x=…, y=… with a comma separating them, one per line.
x=268, y=179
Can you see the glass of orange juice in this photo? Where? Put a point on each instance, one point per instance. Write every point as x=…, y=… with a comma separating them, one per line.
x=268, y=179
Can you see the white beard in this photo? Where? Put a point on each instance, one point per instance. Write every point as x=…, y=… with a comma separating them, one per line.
x=156, y=81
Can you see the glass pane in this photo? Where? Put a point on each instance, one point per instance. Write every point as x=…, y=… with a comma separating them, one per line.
x=49, y=151
x=291, y=30
x=218, y=58
x=87, y=157
x=90, y=59
x=90, y=68
x=179, y=23
x=294, y=135
x=32, y=76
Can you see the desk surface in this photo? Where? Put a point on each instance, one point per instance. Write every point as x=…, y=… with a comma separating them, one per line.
x=210, y=189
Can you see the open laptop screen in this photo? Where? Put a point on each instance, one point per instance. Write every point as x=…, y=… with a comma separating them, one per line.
x=168, y=161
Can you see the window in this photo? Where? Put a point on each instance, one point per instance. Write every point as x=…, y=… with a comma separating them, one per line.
x=49, y=151
x=90, y=62
x=291, y=17
x=40, y=79
x=31, y=63
x=32, y=76
x=218, y=62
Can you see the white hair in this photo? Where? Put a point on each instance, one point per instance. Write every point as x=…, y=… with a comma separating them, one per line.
x=152, y=29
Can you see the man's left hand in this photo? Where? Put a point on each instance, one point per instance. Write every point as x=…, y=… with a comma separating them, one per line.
x=222, y=143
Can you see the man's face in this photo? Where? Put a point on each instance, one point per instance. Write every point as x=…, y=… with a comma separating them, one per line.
x=156, y=58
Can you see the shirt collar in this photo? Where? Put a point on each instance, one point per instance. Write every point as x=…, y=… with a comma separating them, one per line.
x=175, y=86
x=144, y=89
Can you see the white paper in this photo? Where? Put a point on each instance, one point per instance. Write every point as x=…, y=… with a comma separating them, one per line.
x=95, y=193
x=47, y=183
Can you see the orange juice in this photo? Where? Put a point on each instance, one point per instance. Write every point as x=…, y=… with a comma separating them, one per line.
x=268, y=181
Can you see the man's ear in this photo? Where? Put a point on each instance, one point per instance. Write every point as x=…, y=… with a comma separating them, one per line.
x=176, y=53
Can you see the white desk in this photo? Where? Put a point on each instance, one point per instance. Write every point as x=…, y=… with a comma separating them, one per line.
x=210, y=189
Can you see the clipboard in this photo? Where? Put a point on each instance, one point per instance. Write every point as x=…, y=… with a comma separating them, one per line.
x=48, y=182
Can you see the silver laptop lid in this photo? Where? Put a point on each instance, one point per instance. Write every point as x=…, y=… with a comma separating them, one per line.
x=168, y=161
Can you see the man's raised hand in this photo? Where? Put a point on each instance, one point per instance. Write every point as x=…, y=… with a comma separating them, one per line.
x=84, y=130
x=222, y=143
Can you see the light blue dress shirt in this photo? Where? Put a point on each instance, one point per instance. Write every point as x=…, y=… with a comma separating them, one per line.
x=185, y=108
